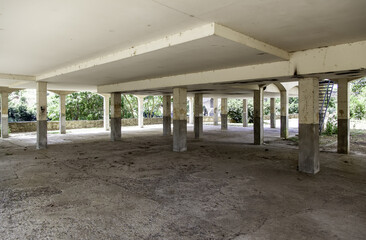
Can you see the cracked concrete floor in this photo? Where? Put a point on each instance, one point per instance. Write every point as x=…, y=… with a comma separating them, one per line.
x=86, y=187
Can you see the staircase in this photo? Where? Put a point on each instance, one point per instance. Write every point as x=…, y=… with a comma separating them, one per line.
x=325, y=93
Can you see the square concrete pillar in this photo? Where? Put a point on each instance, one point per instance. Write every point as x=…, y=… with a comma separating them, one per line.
x=258, y=116
x=284, y=114
x=4, y=115
x=216, y=111
x=179, y=119
x=115, y=116
x=191, y=111
x=140, y=101
x=62, y=116
x=198, y=115
x=343, y=117
x=167, y=118
x=41, y=96
x=273, y=112
x=309, y=125
x=106, y=112
x=223, y=113
x=245, y=113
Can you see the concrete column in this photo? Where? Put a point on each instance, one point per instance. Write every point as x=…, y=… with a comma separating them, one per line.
x=179, y=119
x=223, y=113
x=284, y=114
x=258, y=116
x=116, y=116
x=41, y=115
x=190, y=110
x=140, y=100
x=4, y=115
x=309, y=125
x=167, y=118
x=106, y=112
x=62, y=113
x=216, y=111
x=245, y=113
x=198, y=115
x=273, y=113
x=343, y=117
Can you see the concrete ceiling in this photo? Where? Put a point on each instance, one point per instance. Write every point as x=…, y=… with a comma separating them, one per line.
x=39, y=37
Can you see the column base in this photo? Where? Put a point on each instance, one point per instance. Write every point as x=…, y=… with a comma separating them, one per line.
x=167, y=125
x=245, y=120
x=309, y=148
x=273, y=120
x=223, y=121
x=198, y=127
x=179, y=135
x=284, y=127
x=115, y=129
x=4, y=127
x=258, y=131
x=41, y=134
x=343, y=136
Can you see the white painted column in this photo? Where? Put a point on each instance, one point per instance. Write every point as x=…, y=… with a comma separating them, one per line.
x=245, y=113
x=216, y=111
x=179, y=120
x=191, y=117
x=309, y=125
x=4, y=115
x=41, y=96
x=62, y=117
x=140, y=100
x=273, y=112
x=284, y=114
x=116, y=116
x=343, y=117
x=106, y=111
x=258, y=116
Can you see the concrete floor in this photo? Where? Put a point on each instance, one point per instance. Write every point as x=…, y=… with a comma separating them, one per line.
x=86, y=187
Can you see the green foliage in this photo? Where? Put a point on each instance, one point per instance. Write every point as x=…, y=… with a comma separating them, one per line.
x=331, y=126
x=129, y=106
x=358, y=99
x=84, y=106
x=235, y=110
x=19, y=108
x=293, y=105
x=153, y=106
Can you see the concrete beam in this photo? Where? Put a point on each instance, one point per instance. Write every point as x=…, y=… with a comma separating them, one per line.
x=41, y=96
x=343, y=117
x=179, y=119
x=337, y=58
x=309, y=125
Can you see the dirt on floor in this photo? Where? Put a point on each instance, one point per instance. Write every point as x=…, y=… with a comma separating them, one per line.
x=87, y=187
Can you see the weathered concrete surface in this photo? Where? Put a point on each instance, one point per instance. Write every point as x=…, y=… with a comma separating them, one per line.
x=41, y=99
x=245, y=113
x=4, y=108
x=167, y=117
x=179, y=120
x=41, y=134
x=273, y=112
x=116, y=133
x=258, y=116
x=198, y=115
x=343, y=101
x=86, y=187
x=284, y=114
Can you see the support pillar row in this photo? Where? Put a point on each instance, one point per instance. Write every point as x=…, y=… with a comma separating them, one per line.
x=4, y=115
x=167, y=118
x=223, y=113
x=258, y=116
x=41, y=96
x=343, y=117
x=116, y=116
x=180, y=120
x=309, y=125
x=198, y=115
